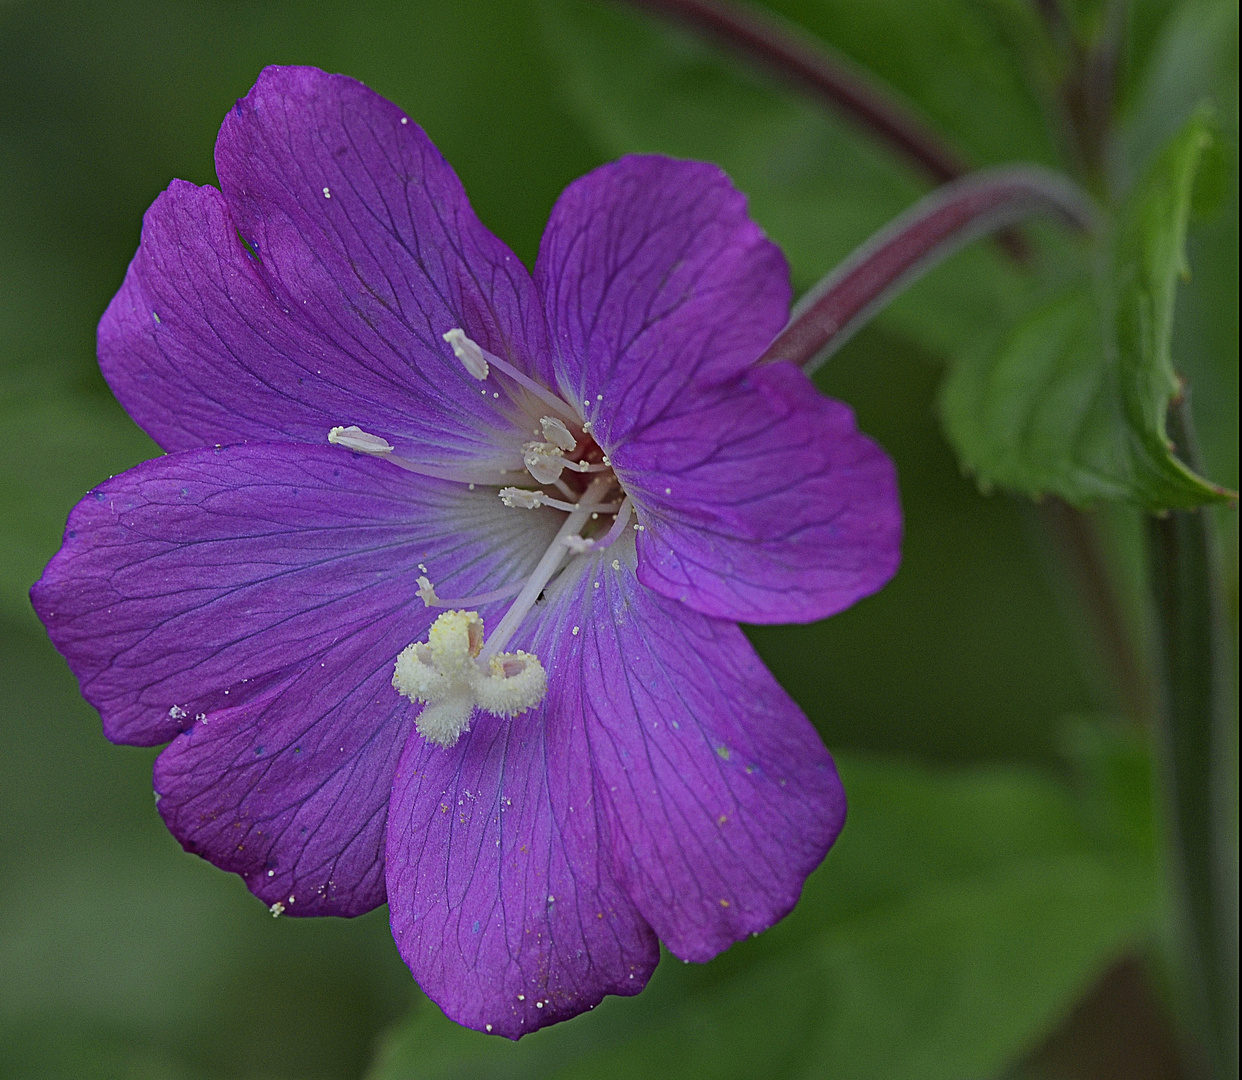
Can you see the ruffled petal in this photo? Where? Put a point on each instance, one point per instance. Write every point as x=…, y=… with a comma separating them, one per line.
x=720, y=797
x=656, y=283
x=501, y=894
x=198, y=581
x=763, y=503
x=279, y=311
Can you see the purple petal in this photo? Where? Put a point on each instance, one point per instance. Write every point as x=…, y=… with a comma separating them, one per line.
x=720, y=796
x=655, y=283
x=291, y=789
x=502, y=898
x=198, y=581
x=339, y=320
x=763, y=502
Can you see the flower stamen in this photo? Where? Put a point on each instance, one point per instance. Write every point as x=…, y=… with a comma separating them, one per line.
x=363, y=442
x=427, y=594
x=476, y=359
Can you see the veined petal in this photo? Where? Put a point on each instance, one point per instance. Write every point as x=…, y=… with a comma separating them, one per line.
x=290, y=790
x=335, y=315
x=763, y=503
x=502, y=896
x=656, y=283
x=197, y=581
x=720, y=797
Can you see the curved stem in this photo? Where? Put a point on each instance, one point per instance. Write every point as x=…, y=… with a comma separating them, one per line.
x=904, y=250
x=763, y=37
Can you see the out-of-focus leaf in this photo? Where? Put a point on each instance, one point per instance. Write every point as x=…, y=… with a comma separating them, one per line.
x=1196, y=44
x=954, y=922
x=815, y=182
x=1073, y=401
x=1115, y=772
x=944, y=56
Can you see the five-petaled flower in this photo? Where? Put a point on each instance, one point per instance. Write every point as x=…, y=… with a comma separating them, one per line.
x=434, y=595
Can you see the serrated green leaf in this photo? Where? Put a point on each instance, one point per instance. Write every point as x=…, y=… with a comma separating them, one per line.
x=818, y=185
x=1072, y=401
x=1149, y=260
x=955, y=921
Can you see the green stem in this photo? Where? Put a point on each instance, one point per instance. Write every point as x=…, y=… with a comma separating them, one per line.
x=1198, y=761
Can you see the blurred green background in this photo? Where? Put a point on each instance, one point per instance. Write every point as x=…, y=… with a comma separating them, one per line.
x=982, y=914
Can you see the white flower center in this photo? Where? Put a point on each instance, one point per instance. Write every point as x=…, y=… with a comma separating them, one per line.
x=459, y=669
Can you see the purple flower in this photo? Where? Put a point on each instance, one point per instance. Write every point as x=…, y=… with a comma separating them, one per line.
x=527, y=722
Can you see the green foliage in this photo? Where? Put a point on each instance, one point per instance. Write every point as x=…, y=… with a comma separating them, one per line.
x=1062, y=375
x=816, y=183
x=943, y=935
x=1073, y=400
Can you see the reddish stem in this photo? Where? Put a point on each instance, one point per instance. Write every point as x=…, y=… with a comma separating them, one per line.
x=922, y=237
x=782, y=49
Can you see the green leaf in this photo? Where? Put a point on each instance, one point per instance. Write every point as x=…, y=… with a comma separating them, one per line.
x=1072, y=401
x=816, y=183
x=1149, y=260
x=956, y=920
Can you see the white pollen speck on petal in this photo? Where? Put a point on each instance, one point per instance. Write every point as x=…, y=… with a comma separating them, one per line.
x=327, y=194
x=468, y=352
x=578, y=545
x=488, y=1026
x=616, y=564
x=576, y=630
x=668, y=491
x=406, y=120
x=277, y=909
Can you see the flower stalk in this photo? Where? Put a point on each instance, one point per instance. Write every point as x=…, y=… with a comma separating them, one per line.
x=777, y=46
x=924, y=236
x=1198, y=758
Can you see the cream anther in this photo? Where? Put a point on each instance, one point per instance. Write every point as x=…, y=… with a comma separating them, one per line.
x=468, y=352
x=354, y=438
x=445, y=674
x=522, y=498
x=543, y=461
x=557, y=433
